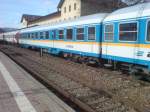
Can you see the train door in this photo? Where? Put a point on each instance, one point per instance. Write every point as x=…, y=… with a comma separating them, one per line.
x=128, y=35
x=142, y=53
x=148, y=39
x=108, y=38
x=140, y=32
x=138, y=54
x=53, y=37
x=93, y=37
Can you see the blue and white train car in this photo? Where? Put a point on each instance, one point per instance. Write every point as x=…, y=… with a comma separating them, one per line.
x=81, y=36
x=126, y=35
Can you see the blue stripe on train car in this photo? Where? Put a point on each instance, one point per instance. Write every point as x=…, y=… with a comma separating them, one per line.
x=115, y=58
x=129, y=60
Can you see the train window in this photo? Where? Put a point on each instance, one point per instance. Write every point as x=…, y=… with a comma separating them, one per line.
x=53, y=34
x=61, y=34
x=109, y=32
x=41, y=35
x=80, y=33
x=36, y=35
x=28, y=35
x=128, y=32
x=69, y=34
x=22, y=36
x=25, y=36
x=32, y=35
x=148, y=31
x=91, y=33
x=46, y=35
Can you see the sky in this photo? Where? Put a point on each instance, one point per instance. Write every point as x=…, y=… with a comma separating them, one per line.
x=11, y=10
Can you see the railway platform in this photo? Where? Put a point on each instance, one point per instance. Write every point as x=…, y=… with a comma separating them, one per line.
x=20, y=92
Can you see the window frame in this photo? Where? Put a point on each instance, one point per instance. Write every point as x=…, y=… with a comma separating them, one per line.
x=78, y=27
x=32, y=36
x=128, y=31
x=22, y=36
x=72, y=34
x=36, y=34
x=29, y=35
x=146, y=31
x=62, y=34
x=45, y=35
x=53, y=35
x=88, y=32
x=109, y=32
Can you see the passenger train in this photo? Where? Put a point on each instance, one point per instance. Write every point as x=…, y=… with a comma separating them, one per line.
x=120, y=39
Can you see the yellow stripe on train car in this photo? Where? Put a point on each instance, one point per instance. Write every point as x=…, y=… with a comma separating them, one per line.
x=65, y=42
x=95, y=43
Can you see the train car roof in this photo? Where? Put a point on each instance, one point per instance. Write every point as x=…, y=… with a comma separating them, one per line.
x=11, y=32
x=91, y=19
x=132, y=12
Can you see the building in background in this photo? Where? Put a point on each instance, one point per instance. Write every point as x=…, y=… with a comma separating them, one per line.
x=26, y=18
x=71, y=9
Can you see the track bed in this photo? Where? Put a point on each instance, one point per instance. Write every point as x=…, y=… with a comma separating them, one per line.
x=93, y=89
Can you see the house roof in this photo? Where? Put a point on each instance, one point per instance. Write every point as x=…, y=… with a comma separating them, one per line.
x=94, y=1
x=49, y=16
x=30, y=17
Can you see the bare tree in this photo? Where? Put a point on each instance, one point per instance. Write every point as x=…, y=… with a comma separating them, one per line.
x=133, y=2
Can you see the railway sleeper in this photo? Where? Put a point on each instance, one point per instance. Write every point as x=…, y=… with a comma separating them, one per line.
x=71, y=86
x=81, y=92
x=93, y=101
x=110, y=106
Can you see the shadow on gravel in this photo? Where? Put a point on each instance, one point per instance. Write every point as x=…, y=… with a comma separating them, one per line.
x=17, y=54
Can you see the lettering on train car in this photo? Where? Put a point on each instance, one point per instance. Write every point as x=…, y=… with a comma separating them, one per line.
x=69, y=46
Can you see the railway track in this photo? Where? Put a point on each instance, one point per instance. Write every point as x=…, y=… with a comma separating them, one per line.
x=94, y=90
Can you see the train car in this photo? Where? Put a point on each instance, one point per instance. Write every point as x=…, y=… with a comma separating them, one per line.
x=10, y=37
x=1, y=36
x=126, y=37
x=77, y=38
